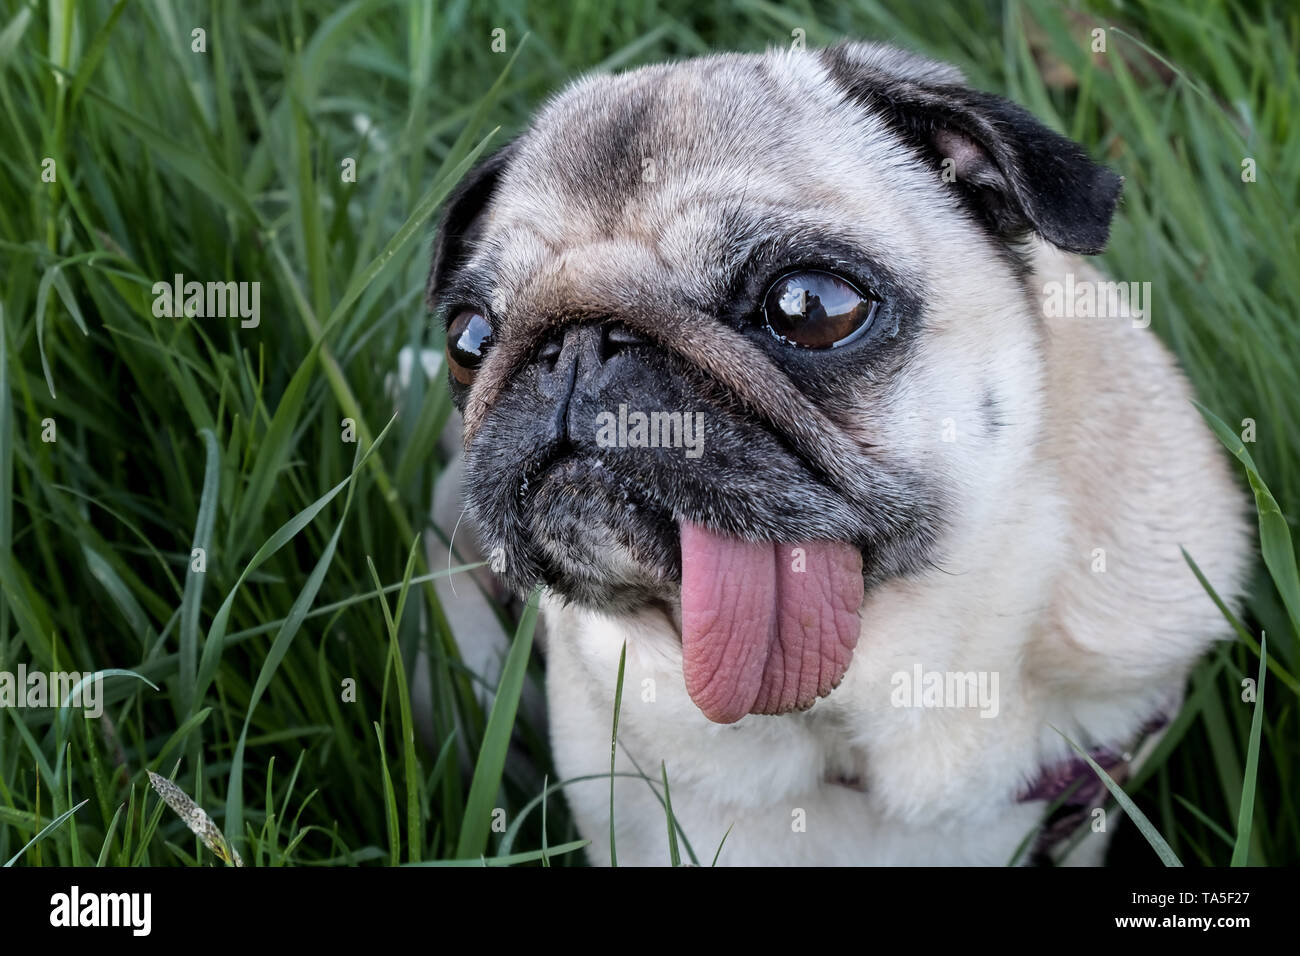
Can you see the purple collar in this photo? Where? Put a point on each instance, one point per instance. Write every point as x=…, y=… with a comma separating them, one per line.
x=1079, y=788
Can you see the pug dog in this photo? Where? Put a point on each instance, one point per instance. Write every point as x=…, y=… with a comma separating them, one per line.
x=766, y=382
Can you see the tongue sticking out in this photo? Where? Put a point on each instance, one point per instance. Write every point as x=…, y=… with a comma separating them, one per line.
x=759, y=636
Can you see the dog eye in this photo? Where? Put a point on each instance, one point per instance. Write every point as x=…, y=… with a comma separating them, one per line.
x=816, y=310
x=468, y=338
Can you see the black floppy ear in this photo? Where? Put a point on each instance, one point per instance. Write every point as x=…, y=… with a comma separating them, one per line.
x=461, y=222
x=1011, y=170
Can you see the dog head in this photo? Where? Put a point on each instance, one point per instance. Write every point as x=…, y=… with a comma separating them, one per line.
x=716, y=328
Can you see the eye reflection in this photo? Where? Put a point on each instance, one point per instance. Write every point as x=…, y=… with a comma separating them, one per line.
x=469, y=336
x=817, y=310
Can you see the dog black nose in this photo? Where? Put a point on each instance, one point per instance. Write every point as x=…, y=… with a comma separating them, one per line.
x=618, y=337
x=603, y=341
x=576, y=365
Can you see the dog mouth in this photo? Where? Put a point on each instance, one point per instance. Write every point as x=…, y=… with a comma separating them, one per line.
x=767, y=627
x=596, y=527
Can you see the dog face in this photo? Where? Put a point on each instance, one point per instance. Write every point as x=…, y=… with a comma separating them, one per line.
x=711, y=324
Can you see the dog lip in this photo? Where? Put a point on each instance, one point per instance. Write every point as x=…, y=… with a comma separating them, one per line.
x=575, y=464
x=542, y=463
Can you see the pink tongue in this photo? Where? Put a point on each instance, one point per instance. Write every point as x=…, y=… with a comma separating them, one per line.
x=764, y=629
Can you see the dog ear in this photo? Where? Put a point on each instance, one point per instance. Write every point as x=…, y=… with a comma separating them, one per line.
x=461, y=223
x=1010, y=170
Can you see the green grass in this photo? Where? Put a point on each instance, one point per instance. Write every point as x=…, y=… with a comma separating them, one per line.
x=176, y=434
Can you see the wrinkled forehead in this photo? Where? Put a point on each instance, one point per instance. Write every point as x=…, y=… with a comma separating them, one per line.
x=675, y=172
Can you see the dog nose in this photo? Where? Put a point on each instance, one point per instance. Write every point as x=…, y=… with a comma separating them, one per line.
x=617, y=338
x=602, y=342
x=577, y=359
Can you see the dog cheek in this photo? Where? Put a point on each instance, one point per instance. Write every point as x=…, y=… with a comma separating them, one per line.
x=492, y=499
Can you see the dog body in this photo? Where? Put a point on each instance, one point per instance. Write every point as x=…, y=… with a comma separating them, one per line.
x=1013, y=484
x=1094, y=653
